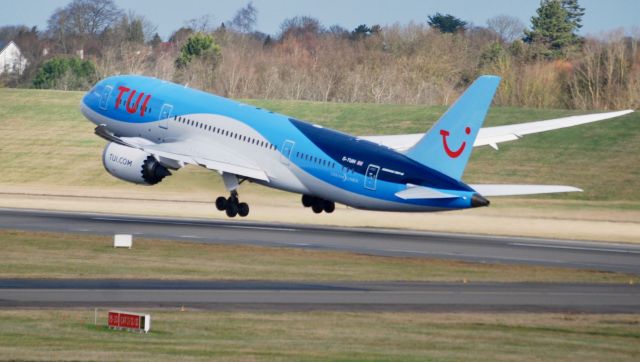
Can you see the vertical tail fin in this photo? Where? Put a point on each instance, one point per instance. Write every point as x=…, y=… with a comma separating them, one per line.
x=446, y=147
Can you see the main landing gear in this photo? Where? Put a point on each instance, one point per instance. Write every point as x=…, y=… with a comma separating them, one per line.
x=317, y=204
x=232, y=205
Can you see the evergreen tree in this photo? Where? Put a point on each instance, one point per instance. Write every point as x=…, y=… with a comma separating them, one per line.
x=267, y=41
x=200, y=46
x=446, y=23
x=65, y=73
x=551, y=29
x=361, y=31
x=574, y=12
x=156, y=40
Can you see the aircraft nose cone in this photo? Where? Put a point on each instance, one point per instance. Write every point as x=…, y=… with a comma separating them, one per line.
x=478, y=200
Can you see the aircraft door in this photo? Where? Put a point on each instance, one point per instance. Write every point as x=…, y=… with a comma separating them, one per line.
x=165, y=113
x=104, y=98
x=371, y=177
x=287, y=147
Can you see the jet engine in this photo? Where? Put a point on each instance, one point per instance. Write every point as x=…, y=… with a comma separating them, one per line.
x=132, y=165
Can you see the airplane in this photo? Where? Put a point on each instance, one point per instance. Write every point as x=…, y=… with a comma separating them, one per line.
x=155, y=127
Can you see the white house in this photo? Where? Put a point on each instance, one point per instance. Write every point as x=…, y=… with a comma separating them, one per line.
x=11, y=58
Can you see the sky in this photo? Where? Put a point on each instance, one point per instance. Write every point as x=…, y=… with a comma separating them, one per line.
x=601, y=15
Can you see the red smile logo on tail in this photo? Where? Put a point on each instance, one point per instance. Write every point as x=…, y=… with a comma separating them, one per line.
x=451, y=153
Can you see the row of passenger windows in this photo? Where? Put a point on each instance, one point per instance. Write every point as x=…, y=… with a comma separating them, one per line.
x=314, y=159
x=256, y=142
x=322, y=162
x=226, y=133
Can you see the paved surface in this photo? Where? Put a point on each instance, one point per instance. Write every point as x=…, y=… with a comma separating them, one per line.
x=488, y=249
x=266, y=295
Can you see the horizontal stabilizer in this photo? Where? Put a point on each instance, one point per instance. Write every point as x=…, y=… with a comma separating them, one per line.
x=420, y=192
x=513, y=190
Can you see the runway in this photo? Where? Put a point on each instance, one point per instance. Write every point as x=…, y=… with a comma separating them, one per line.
x=281, y=296
x=485, y=249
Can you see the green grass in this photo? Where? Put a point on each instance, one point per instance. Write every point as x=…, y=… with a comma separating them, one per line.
x=321, y=336
x=44, y=140
x=50, y=255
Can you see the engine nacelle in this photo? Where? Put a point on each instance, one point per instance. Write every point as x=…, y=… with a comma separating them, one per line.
x=133, y=165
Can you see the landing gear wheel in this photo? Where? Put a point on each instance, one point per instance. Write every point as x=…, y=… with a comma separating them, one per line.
x=307, y=201
x=243, y=209
x=328, y=207
x=221, y=203
x=317, y=207
x=232, y=210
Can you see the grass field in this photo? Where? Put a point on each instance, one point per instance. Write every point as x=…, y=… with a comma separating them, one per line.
x=44, y=140
x=321, y=336
x=47, y=255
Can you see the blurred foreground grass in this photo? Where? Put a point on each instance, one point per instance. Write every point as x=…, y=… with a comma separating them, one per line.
x=321, y=336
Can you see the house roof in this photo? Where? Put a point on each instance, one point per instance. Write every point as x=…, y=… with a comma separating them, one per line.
x=4, y=44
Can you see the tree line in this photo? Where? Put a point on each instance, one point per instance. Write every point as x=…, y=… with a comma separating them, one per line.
x=545, y=64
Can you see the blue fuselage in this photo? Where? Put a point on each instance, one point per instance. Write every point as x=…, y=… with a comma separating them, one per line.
x=298, y=156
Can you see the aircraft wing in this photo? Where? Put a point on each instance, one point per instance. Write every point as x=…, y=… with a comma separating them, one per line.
x=214, y=157
x=195, y=152
x=493, y=135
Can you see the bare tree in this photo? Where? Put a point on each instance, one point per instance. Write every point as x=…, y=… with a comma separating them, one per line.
x=508, y=27
x=203, y=24
x=81, y=20
x=300, y=26
x=85, y=17
x=134, y=28
x=245, y=19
